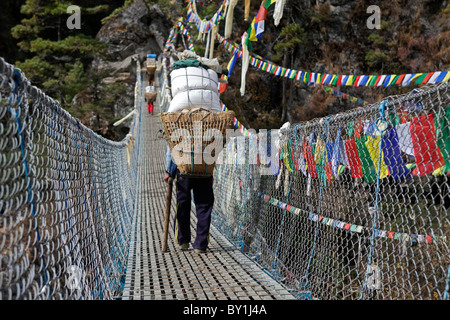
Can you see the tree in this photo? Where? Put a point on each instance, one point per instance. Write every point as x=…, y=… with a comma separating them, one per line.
x=53, y=49
x=9, y=17
x=292, y=36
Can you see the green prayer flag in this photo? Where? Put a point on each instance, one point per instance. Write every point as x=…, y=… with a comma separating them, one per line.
x=373, y=81
x=395, y=119
x=350, y=128
x=335, y=79
x=306, y=78
x=443, y=136
x=368, y=168
x=419, y=80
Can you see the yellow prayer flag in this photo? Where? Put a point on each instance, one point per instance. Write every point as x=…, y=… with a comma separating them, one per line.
x=349, y=80
x=320, y=150
x=447, y=77
x=392, y=79
x=373, y=146
x=318, y=78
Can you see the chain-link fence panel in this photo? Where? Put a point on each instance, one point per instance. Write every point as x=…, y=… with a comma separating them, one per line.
x=67, y=197
x=351, y=206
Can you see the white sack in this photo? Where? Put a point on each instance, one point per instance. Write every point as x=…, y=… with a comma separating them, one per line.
x=195, y=99
x=193, y=78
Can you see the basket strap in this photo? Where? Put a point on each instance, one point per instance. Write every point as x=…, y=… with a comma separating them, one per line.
x=179, y=115
x=210, y=113
x=199, y=109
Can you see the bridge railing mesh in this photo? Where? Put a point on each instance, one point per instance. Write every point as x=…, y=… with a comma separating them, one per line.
x=164, y=81
x=351, y=206
x=67, y=197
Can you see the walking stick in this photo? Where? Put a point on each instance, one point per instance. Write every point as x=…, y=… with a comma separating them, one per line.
x=167, y=214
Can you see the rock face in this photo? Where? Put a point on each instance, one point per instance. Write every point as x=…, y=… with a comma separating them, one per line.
x=132, y=33
x=138, y=29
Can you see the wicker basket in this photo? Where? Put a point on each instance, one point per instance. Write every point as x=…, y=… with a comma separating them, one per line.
x=188, y=137
x=151, y=66
x=150, y=96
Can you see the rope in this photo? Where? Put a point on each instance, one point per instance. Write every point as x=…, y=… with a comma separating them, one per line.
x=17, y=83
x=377, y=192
x=48, y=161
x=447, y=285
x=304, y=281
x=274, y=264
x=244, y=206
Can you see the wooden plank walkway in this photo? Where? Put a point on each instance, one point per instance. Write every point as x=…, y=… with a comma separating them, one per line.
x=224, y=272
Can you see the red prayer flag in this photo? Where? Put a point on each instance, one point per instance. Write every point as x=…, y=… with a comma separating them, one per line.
x=328, y=171
x=223, y=86
x=427, y=153
x=353, y=158
x=427, y=77
x=400, y=79
x=378, y=79
x=307, y=153
x=404, y=116
x=358, y=128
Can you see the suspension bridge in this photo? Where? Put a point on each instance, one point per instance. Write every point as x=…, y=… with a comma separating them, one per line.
x=81, y=217
x=224, y=273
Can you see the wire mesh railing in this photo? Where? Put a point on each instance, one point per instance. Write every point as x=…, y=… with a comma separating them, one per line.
x=164, y=80
x=351, y=206
x=67, y=197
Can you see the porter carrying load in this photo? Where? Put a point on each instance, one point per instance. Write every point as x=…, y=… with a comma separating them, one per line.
x=195, y=125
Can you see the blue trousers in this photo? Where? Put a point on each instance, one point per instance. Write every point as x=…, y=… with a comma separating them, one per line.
x=203, y=200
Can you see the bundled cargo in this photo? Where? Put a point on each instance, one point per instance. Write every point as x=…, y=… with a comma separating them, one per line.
x=150, y=93
x=195, y=125
x=194, y=86
x=151, y=63
x=193, y=78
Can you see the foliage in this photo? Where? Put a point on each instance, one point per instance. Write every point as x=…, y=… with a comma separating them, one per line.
x=199, y=49
x=376, y=39
x=208, y=10
x=36, y=69
x=76, y=46
x=375, y=58
x=321, y=13
x=99, y=98
x=57, y=58
x=74, y=81
x=292, y=36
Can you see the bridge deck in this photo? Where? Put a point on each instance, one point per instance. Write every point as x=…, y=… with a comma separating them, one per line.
x=224, y=272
